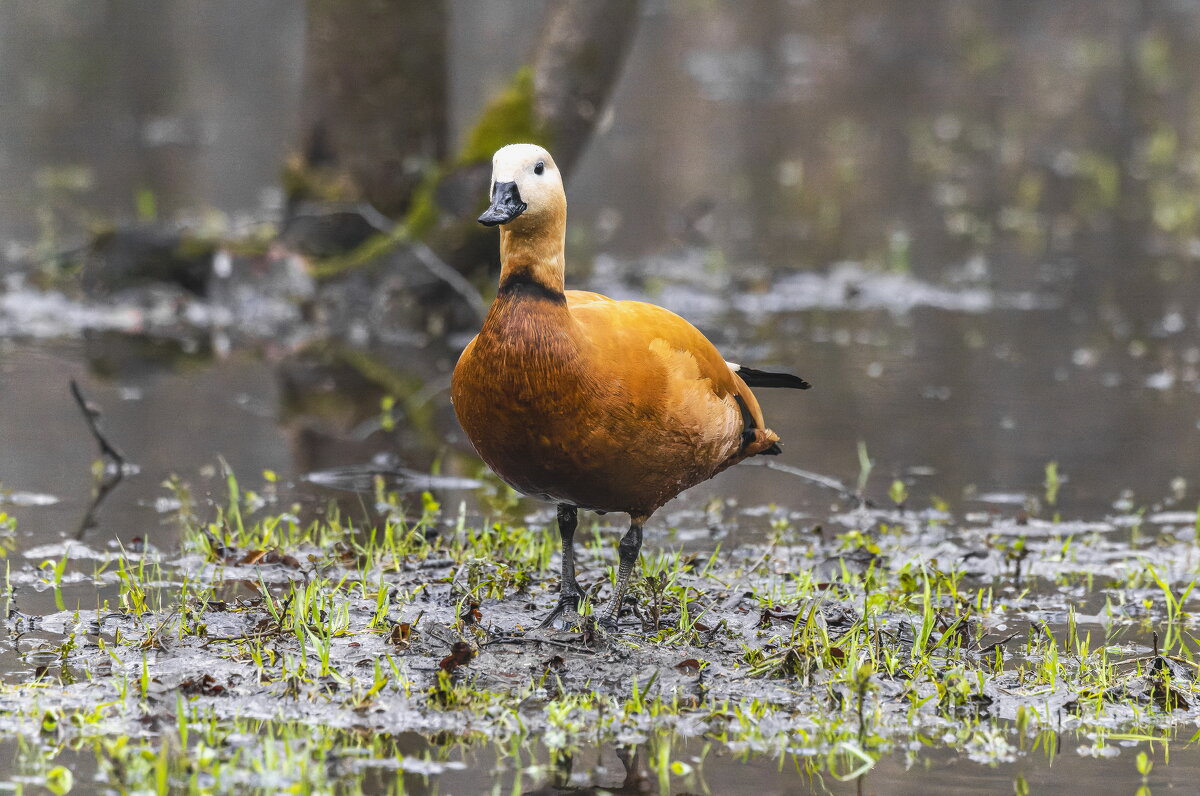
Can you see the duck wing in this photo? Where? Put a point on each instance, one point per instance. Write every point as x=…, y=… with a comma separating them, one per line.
x=668, y=365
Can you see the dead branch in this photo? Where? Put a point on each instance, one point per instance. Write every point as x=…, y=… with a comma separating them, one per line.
x=91, y=415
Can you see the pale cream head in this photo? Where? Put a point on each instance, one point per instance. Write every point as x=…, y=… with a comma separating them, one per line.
x=538, y=184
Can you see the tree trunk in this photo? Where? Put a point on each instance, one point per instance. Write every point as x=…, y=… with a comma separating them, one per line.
x=374, y=103
x=557, y=102
x=576, y=67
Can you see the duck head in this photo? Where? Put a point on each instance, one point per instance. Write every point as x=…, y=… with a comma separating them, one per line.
x=527, y=188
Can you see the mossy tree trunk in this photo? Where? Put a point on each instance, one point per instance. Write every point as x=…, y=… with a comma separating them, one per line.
x=556, y=101
x=374, y=104
x=576, y=68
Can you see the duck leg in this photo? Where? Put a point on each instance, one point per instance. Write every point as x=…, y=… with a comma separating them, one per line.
x=631, y=545
x=569, y=592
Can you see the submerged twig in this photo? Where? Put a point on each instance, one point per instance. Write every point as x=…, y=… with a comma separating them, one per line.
x=816, y=478
x=536, y=640
x=115, y=460
x=92, y=416
x=1000, y=643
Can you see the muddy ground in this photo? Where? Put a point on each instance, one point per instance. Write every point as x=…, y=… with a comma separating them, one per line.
x=273, y=652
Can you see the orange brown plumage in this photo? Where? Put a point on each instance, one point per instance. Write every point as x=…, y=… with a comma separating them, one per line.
x=591, y=403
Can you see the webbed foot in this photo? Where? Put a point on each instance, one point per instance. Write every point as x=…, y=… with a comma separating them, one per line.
x=568, y=604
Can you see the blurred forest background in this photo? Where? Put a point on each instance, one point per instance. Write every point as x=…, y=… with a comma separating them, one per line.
x=972, y=224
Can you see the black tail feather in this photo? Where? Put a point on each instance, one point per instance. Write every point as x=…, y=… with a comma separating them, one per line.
x=761, y=378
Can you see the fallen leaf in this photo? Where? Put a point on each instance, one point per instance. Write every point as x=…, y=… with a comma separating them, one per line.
x=460, y=655
x=401, y=635
x=472, y=615
x=205, y=685
x=268, y=557
x=276, y=557
x=252, y=557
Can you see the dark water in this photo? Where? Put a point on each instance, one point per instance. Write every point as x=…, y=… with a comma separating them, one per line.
x=973, y=227
x=597, y=771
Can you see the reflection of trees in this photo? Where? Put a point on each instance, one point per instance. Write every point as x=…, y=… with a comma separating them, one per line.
x=344, y=404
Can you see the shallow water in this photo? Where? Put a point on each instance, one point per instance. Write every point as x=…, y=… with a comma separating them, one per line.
x=601, y=770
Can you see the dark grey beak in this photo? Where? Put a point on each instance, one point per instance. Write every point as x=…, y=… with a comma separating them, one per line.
x=506, y=205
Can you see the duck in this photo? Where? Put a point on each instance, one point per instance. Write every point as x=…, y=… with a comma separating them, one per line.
x=588, y=402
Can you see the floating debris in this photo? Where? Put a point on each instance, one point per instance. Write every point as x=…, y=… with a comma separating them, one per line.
x=363, y=477
x=844, y=286
x=28, y=498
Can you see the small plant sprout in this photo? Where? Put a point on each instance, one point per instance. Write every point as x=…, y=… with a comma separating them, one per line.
x=1144, y=766
x=387, y=415
x=1052, y=483
x=865, y=465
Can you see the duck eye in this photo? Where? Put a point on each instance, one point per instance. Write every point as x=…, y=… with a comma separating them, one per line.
x=539, y=168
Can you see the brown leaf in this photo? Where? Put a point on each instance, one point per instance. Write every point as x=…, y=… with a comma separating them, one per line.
x=276, y=557
x=205, y=685
x=690, y=666
x=401, y=635
x=252, y=557
x=265, y=624
x=472, y=615
x=764, y=621
x=460, y=655
x=269, y=557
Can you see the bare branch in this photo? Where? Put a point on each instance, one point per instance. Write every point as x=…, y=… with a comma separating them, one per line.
x=92, y=416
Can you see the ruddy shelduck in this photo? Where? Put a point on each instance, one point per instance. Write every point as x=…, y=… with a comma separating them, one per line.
x=588, y=402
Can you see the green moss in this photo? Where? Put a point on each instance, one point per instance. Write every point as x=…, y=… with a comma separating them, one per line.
x=423, y=212
x=302, y=181
x=366, y=253
x=377, y=372
x=191, y=246
x=510, y=118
